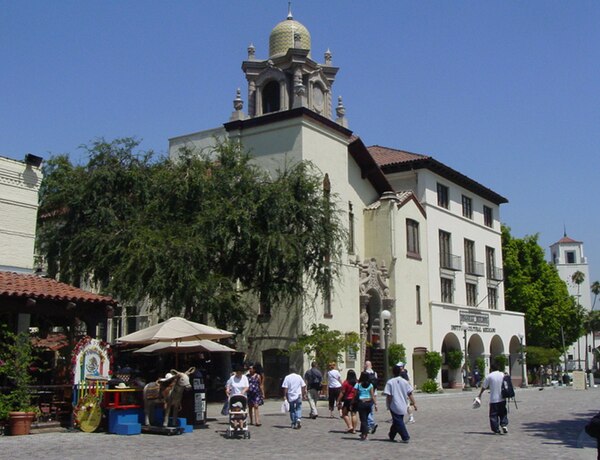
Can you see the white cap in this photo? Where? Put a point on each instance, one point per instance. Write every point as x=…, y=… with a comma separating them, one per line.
x=400, y=364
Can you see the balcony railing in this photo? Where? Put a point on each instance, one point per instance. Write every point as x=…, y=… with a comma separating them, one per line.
x=474, y=268
x=450, y=261
x=495, y=273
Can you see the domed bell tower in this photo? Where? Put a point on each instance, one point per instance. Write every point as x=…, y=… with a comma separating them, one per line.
x=289, y=78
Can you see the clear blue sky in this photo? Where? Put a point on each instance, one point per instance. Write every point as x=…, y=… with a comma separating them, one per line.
x=506, y=92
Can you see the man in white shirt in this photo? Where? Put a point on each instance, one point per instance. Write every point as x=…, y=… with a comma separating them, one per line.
x=498, y=412
x=294, y=389
x=398, y=394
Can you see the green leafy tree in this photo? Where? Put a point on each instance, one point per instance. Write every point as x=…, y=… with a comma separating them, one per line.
x=595, y=288
x=324, y=345
x=454, y=358
x=539, y=356
x=433, y=363
x=205, y=234
x=533, y=286
x=396, y=353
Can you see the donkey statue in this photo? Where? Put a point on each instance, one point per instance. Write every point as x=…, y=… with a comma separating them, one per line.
x=168, y=392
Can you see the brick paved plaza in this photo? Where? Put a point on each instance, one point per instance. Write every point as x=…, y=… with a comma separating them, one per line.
x=547, y=425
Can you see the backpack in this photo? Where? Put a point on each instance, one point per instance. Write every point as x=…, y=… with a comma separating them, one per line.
x=593, y=428
x=373, y=379
x=314, y=380
x=508, y=390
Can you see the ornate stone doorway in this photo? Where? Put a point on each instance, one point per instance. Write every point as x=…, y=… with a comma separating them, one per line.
x=374, y=298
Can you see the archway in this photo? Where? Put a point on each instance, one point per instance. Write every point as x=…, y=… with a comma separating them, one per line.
x=515, y=361
x=451, y=378
x=276, y=363
x=271, y=97
x=496, y=348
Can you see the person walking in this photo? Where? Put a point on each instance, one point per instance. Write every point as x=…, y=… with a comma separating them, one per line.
x=294, y=390
x=334, y=386
x=346, y=401
x=404, y=375
x=255, y=395
x=374, y=381
x=366, y=401
x=398, y=393
x=498, y=411
x=313, y=379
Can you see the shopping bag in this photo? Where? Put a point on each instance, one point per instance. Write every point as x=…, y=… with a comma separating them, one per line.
x=285, y=406
x=476, y=403
x=225, y=410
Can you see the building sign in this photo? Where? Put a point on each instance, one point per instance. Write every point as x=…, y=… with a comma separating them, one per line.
x=474, y=318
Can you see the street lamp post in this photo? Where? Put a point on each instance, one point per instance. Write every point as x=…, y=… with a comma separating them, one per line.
x=386, y=317
x=465, y=327
x=522, y=358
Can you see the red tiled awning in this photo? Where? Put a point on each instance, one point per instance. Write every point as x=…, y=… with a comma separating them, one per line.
x=19, y=285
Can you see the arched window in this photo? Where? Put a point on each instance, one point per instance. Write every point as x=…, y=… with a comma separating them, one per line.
x=270, y=97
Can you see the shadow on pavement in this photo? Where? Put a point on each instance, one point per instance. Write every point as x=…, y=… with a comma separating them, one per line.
x=566, y=431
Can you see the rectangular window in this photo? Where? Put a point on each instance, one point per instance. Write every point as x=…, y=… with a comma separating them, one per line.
x=570, y=257
x=445, y=251
x=488, y=216
x=471, y=294
x=412, y=238
x=467, y=207
x=447, y=290
x=350, y=229
x=469, y=257
x=492, y=298
x=418, y=297
x=490, y=261
x=442, y=196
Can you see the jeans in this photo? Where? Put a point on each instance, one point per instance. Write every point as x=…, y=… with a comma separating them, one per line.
x=313, y=397
x=364, y=408
x=498, y=413
x=296, y=411
x=398, y=427
x=371, y=418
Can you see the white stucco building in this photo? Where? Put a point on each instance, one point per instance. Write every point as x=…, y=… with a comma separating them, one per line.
x=424, y=239
x=19, y=186
x=568, y=257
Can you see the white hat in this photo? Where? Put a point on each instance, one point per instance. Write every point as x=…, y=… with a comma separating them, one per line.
x=121, y=385
x=167, y=377
x=400, y=364
x=237, y=404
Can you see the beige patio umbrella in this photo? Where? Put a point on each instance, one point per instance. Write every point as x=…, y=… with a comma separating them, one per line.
x=185, y=347
x=176, y=330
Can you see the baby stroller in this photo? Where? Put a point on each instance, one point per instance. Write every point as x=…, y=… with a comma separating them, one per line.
x=238, y=415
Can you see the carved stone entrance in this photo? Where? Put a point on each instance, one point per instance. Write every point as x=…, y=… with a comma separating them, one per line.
x=374, y=298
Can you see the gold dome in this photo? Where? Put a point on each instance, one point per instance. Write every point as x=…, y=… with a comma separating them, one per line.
x=282, y=37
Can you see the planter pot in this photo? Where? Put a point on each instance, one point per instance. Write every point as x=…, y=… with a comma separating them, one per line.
x=20, y=422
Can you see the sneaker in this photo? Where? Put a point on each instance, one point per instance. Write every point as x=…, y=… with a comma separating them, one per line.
x=411, y=419
x=504, y=429
x=293, y=426
x=374, y=429
x=298, y=426
x=405, y=441
x=497, y=432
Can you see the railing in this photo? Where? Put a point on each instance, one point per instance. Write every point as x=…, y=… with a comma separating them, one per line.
x=474, y=268
x=450, y=261
x=495, y=273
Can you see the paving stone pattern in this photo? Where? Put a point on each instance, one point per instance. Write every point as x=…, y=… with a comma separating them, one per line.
x=547, y=425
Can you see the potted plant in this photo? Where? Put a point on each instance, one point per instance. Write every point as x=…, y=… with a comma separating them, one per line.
x=16, y=357
x=454, y=360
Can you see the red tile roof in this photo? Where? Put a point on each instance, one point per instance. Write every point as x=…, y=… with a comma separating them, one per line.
x=36, y=287
x=392, y=160
x=566, y=239
x=387, y=156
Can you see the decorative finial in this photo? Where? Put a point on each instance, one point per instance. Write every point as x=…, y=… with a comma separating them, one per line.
x=328, y=57
x=289, y=16
x=565, y=230
x=238, y=106
x=340, y=110
x=251, y=51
